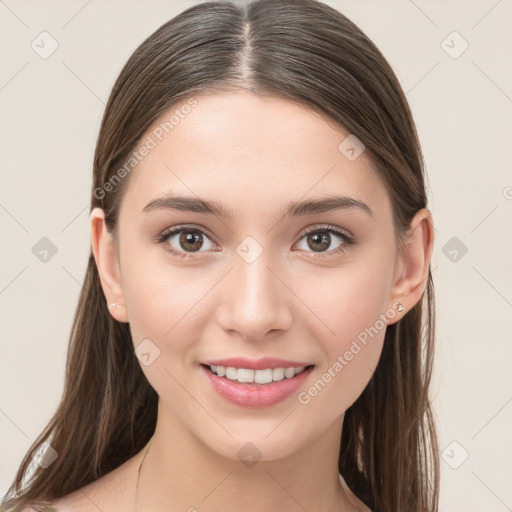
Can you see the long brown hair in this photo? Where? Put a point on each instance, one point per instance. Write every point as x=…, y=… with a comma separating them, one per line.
x=310, y=53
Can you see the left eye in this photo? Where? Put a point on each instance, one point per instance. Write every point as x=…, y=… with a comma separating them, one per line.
x=321, y=239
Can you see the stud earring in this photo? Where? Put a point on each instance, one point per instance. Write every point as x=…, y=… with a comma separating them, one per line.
x=399, y=307
x=115, y=305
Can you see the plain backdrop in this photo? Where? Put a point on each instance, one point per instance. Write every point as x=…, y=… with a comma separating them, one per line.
x=453, y=61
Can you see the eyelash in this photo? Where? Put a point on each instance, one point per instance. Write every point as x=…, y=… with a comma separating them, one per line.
x=346, y=239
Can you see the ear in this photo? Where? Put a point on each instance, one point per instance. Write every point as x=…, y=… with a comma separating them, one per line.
x=411, y=271
x=107, y=262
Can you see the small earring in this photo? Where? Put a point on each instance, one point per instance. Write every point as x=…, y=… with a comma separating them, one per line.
x=115, y=305
x=399, y=307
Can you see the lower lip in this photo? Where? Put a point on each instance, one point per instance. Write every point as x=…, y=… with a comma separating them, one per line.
x=255, y=396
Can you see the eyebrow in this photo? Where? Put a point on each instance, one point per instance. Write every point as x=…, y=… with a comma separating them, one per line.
x=293, y=209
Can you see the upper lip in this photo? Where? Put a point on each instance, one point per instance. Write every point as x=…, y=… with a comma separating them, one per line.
x=256, y=364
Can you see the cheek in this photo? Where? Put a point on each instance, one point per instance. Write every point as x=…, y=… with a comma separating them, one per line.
x=351, y=355
x=164, y=304
x=163, y=300
x=345, y=300
x=351, y=331
x=164, y=308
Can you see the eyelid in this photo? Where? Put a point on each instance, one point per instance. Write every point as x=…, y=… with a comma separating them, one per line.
x=328, y=227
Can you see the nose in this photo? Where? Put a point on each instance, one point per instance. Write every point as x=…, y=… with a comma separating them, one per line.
x=254, y=301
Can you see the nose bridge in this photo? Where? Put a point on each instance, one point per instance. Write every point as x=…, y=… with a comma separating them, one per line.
x=254, y=301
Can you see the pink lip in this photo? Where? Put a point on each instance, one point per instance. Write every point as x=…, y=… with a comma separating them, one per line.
x=255, y=396
x=259, y=364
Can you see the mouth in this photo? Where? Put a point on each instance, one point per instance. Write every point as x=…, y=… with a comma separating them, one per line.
x=256, y=377
x=255, y=388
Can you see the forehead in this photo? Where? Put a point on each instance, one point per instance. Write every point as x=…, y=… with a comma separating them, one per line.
x=250, y=152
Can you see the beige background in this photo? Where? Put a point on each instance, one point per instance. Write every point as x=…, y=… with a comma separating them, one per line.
x=50, y=114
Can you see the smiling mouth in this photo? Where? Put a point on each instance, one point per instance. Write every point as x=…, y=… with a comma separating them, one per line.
x=249, y=376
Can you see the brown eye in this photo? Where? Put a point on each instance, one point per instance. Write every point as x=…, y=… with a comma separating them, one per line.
x=190, y=240
x=183, y=241
x=319, y=241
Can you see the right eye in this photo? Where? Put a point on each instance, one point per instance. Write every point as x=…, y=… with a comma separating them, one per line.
x=183, y=241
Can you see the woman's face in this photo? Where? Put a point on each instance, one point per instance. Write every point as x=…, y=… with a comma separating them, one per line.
x=249, y=281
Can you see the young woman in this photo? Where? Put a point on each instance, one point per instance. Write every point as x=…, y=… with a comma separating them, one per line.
x=255, y=330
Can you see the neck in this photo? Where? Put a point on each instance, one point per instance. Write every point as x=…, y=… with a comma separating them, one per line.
x=179, y=472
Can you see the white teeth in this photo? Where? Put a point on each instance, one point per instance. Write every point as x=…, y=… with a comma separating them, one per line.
x=231, y=373
x=244, y=375
x=262, y=376
x=257, y=376
x=289, y=373
x=278, y=374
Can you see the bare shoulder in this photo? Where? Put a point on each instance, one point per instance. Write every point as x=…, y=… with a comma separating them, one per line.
x=45, y=509
x=112, y=492
x=35, y=509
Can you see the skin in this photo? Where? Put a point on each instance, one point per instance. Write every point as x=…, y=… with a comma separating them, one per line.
x=253, y=154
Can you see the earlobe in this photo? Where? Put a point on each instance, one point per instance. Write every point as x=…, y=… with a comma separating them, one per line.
x=414, y=263
x=106, y=257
